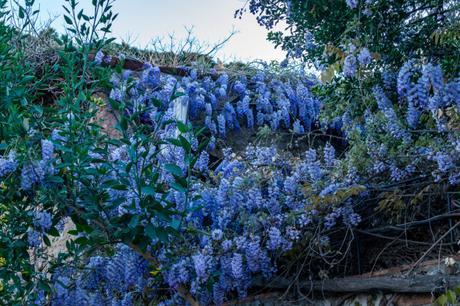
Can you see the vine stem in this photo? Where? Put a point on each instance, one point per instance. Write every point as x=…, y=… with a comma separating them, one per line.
x=432, y=247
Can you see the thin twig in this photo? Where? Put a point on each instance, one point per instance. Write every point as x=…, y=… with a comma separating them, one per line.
x=432, y=247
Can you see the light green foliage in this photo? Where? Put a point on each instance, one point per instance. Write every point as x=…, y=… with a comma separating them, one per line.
x=450, y=297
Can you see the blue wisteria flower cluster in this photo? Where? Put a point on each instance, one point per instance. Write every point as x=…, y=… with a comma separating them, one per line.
x=116, y=280
x=224, y=103
x=34, y=172
x=426, y=104
x=255, y=210
x=425, y=90
x=8, y=165
x=356, y=59
x=42, y=222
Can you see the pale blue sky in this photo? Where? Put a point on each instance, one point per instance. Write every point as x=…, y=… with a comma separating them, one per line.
x=141, y=20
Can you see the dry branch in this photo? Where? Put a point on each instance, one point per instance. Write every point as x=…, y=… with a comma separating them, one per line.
x=415, y=284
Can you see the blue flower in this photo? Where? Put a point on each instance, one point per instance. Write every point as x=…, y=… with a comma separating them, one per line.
x=386, y=107
x=47, y=149
x=107, y=59
x=284, y=63
x=218, y=294
x=275, y=240
x=413, y=115
x=298, y=128
x=221, y=124
x=434, y=73
x=31, y=174
x=309, y=40
x=237, y=266
x=217, y=235
x=329, y=155
x=150, y=77
x=98, y=57
x=349, y=66
x=202, y=162
x=42, y=221
x=177, y=274
x=351, y=48
x=9, y=165
x=210, y=124
x=330, y=189
x=208, y=108
x=34, y=238
x=227, y=245
x=250, y=119
x=404, y=80
x=239, y=88
x=364, y=57
x=193, y=74
x=222, y=80
x=396, y=174
x=445, y=162
x=201, y=264
x=116, y=94
x=57, y=137
x=389, y=79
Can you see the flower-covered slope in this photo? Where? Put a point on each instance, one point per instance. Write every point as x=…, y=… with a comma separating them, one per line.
x=251, y=209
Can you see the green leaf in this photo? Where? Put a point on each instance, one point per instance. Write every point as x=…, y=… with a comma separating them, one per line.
x=451, y=296
x=176, y=95
x=182, y=181
x=119, y=187
x=185, y=143
x=457, y=290
x=21, y=12
x=148, y=190
x=175, y=224
x=54, y=232
x=174, y=141
x=178, y=187
x=82, y=241
x=156, y=102
x=183, y=128
x=162, y=235
x=44, y=286
x=67, y=19
x=195, y=208
x=123, y=123
x=55, y=179
x=134, y=221
x=150, y=231
x=128, y=167
x=200, y=131
x=46, y=240
x=442, y=300
x=174, y=169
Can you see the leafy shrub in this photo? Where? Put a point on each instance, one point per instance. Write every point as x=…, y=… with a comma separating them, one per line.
x=60, y=166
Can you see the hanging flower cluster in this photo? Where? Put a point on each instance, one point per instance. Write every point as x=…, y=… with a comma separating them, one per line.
x=224, y=104
x=426, y=104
